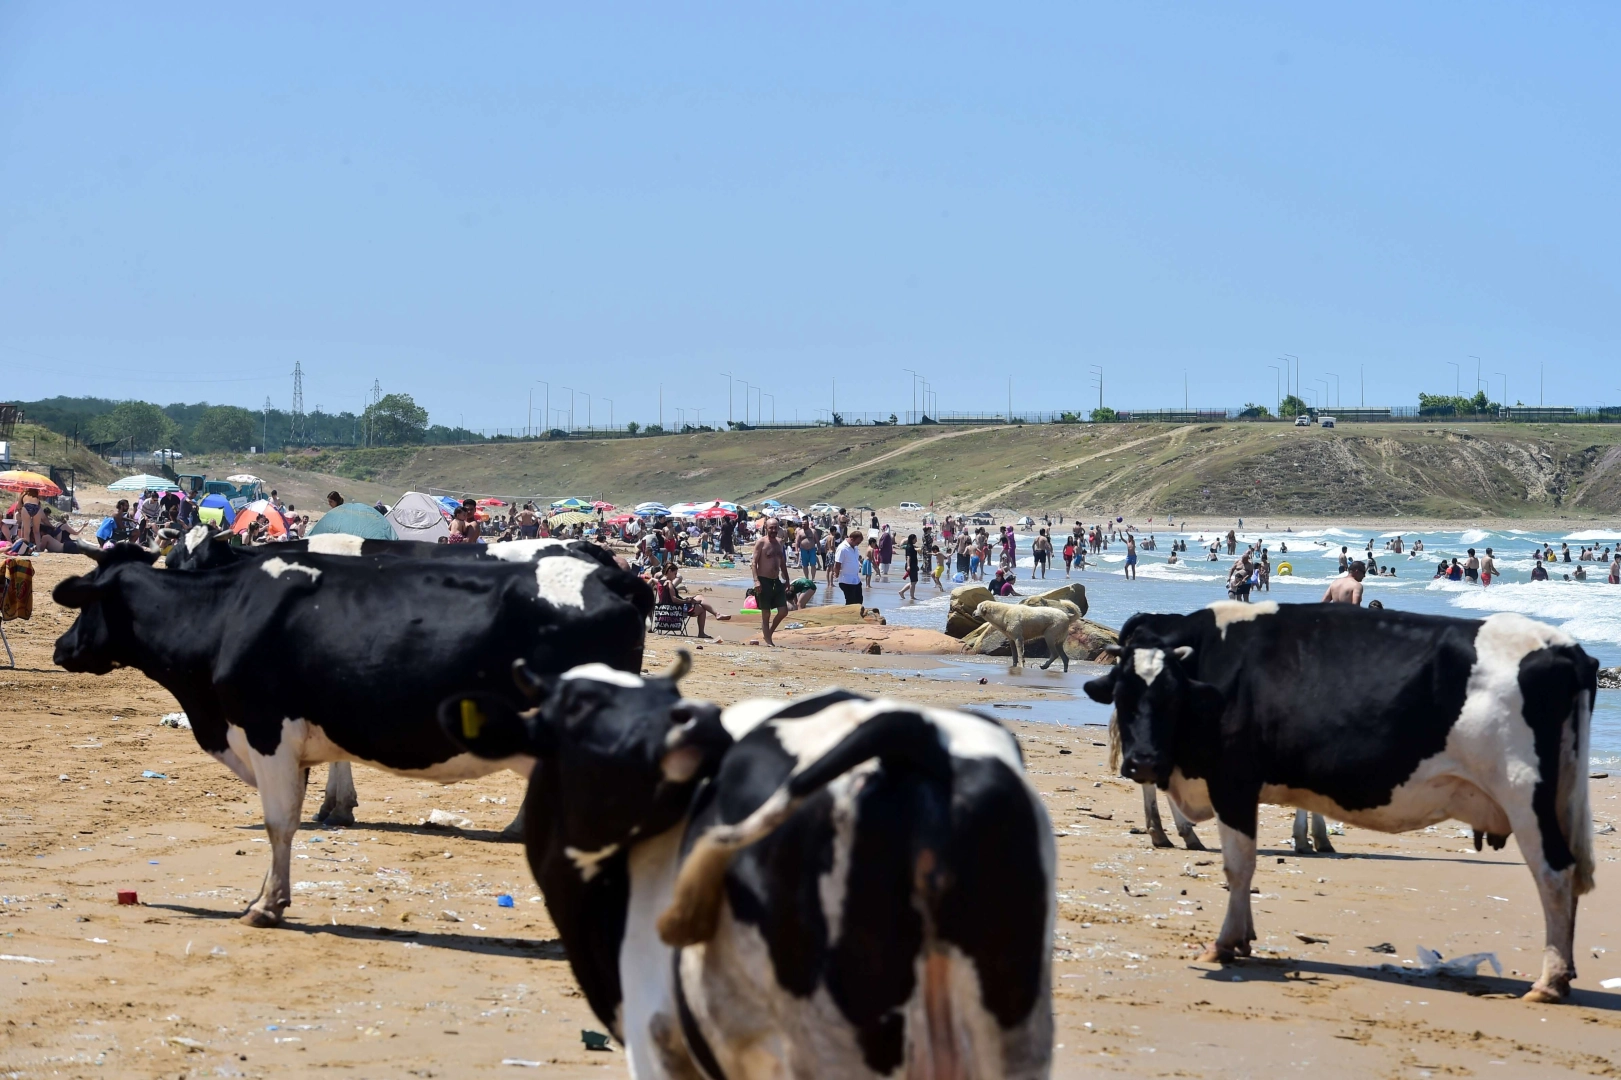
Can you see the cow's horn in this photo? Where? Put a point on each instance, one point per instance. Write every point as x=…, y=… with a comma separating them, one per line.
x=1112, y=650
x=1183, y=651
x=529, y=684
x=679, y=667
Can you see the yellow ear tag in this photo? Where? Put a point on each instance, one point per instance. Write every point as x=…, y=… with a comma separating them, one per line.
x=472, y=719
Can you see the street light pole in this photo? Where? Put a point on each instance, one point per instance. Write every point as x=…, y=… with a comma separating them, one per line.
x=1476, y=359
x=548, y=387
x=1277, y=386
x=570, y=390
x=773, y=398
x=587, y=409
x=610, y=402
x=913, y=417
x=728, y=375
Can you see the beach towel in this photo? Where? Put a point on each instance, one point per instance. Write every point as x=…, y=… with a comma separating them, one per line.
x=16, y=589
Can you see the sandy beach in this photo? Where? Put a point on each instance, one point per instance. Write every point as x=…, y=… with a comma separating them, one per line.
x=398, y=960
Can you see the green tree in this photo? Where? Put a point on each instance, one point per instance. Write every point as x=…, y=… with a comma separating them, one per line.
x=139, y=424
x=1293, y=406
x=1104, y=415
x=633, y=427
x=654, y=429
x=1255, y=412
x=1453, y=405
x=224, y=427
x=396, y=420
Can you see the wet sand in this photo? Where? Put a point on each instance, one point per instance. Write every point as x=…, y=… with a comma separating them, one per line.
x=398, y=961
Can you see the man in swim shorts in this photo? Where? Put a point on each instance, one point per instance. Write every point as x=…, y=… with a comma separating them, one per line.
x=769, y=566
x=1488, y=568
x=1131, y=557
x=1348, y=588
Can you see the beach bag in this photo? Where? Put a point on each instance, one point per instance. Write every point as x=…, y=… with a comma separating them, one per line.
x=17, y=586
x=105, y=532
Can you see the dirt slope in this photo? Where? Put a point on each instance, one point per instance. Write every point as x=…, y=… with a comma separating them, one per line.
x=1459, y=471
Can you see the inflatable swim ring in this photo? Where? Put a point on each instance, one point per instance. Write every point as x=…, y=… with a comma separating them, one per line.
x=1285, y=570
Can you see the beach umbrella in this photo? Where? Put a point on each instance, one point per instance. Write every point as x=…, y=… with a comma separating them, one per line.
x=715, y=512
x=450, y=504
x=143, y=482
x=650, y=506
x=571, y=517
x=492, y=502
x=243, y=478
x=600, y=505
x=570, y=503
x=260, y=509
x=20, y=480
x=620, y=519
x=355, y=519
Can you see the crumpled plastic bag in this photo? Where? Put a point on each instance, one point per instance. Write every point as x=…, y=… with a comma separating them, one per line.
x=1430, y=962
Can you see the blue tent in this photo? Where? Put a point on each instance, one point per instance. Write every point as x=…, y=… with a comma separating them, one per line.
x=355, y=519
x=451, y=505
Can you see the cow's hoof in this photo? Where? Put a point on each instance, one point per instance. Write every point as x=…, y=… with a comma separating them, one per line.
x=337, y=817
x=1302, y=849
x=1545, y=994
x=1191, y=839
x=512, y=834
x=261, y=918
x=1215, y=954
x=1325, y=848
x=1160, y=840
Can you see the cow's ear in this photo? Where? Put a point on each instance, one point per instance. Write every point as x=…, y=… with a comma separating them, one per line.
x=490, y=727
x=1101, y=689
x=694, y=746
x=77, y=592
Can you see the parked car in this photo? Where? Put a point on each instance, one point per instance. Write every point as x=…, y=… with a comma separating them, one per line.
x=1326, y=421
x=911, y=508
x=172, y=455
x=1302, y=421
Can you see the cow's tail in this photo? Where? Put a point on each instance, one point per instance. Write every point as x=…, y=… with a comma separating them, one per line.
x=1574, y=799
x=900, y=740
x=1114, y=743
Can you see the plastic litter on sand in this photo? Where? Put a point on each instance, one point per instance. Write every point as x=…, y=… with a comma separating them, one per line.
x=1459, y=967
x=127, y=897
x=521, y=1062
x=150, y=775
x=1608, y=984
x=504, y=900
x=174, y=720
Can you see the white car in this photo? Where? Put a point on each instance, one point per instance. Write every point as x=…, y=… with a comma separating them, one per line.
x=1302, y=421
x=172, y=455
x=911, y=508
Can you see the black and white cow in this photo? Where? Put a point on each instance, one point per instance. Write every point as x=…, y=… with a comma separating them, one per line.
x=1385, y=719
x=297, y=659
x=202, y=548
x=861, y=886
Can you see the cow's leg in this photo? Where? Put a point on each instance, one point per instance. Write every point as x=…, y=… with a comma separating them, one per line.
x=1016, y=639
x=1156, y=828
x=1319, y=835
x=281, y=791
x=1238, y=928
x=1302, y=846
x=1184, y=829
x=513, y=833
x=338, y=806
x=1557, y=891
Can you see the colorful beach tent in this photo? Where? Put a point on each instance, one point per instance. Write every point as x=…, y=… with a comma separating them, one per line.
x=260, y=510
x=355, y=519
x=418, y=517
x=143, y=482
x=215, y=510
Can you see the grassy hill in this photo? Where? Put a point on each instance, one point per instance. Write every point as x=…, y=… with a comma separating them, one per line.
x=38, y=445
x=1457, y=471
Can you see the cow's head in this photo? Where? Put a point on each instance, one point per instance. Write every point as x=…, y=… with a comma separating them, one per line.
x=100, y=637
x=619, y=754
x=1154, y=696
x=201, y=548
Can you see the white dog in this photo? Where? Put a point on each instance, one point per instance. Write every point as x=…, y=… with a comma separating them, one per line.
x=1050, y=620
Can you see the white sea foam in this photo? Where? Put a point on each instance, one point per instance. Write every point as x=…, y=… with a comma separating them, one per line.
x=1589, y=535
x=1588, y=611
x=1473, y=536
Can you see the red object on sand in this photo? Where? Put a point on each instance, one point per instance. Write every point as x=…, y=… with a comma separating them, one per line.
x=126, y=897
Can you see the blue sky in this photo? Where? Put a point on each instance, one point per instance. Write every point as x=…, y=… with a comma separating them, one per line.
x=458, y=200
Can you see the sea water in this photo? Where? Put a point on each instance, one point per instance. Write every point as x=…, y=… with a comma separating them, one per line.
x=1589, y=611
